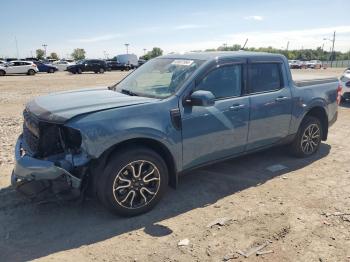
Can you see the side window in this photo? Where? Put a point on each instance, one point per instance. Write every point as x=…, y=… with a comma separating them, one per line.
x=264, y=77
x=225, y=81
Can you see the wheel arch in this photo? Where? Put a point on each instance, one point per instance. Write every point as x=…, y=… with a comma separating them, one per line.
x=150, y=143
x=320, y=113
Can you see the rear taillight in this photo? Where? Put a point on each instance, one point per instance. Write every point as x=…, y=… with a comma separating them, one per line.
x=339, y=89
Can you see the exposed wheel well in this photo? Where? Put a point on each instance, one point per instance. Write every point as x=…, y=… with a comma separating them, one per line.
x=158, y=147
x=319, y=113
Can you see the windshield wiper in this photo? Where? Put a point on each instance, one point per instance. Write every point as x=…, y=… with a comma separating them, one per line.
x=128, y=92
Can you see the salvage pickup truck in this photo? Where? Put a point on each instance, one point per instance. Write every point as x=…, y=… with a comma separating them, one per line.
x=128, y=142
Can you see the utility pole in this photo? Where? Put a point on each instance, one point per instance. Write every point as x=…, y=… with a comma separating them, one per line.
x=287, y=46
x=332, y=53
x=45, y=45
x=246, y=41
x=17, y=48
x=144, y=51
x=127, y=48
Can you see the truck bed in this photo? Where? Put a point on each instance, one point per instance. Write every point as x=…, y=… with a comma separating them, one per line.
x=311, y=82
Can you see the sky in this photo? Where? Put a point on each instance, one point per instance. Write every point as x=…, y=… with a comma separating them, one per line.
x=103, y=27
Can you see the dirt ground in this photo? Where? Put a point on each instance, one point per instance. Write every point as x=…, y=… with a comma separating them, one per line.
x=301, y=212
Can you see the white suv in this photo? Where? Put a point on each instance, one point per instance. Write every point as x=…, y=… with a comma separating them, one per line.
x=19, y=67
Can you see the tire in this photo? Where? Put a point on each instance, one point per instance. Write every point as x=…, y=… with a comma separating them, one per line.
x=79, y=71
x=101, y=71
x=2, y=73
x=134, y=195
x=308, y=138
x=31, y=72
x=51, y=71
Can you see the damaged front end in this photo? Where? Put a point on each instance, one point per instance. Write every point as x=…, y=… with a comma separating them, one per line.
x=47, y=154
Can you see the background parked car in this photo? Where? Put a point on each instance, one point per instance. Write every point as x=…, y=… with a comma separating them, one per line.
x=345, y=79
x=314, y=64
x=47, y=68
x=88, y=65
x=129, y=60
x=2, y=62
x=141, y=62
x=294, y=64
x=62, y=64
x=19, y=67
x=113, y=64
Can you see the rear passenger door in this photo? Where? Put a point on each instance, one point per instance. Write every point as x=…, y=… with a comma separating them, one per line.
x=270, y=100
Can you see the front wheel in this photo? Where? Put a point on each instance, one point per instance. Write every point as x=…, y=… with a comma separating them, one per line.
x=133, y=181
x=2, y=73
x=308, y=138
x=101, y=70
x=79, y=71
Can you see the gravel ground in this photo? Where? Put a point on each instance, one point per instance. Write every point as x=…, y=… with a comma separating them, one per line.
x=302, y=212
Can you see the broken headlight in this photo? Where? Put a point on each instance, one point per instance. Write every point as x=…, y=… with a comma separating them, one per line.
x=71, y=138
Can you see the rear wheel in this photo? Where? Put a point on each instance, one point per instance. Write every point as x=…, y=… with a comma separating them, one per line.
x=31, y=72
x=51, y=71
x=133, y=181
x=79, y=71
x=2, y=73
x=308, y=138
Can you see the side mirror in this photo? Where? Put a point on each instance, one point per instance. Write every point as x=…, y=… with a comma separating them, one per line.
x=201, y=98
x=347, y=84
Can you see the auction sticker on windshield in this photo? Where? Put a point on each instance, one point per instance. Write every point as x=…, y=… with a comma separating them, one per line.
x=182, y=62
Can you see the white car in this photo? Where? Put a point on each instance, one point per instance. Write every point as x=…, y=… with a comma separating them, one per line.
x=345, y=79
x=314, y=64
x=62, y=65
x=19, y=67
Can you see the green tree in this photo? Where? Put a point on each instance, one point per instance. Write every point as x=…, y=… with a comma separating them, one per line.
x=40, y=53
x=54, y=55
x=78, y=54
x=156, y=51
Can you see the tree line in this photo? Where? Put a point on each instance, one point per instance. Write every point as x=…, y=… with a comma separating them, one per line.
x=302, y=54
x=79, y=53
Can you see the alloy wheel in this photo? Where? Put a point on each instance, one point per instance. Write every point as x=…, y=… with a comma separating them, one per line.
x=310, y=139
x=136, y=184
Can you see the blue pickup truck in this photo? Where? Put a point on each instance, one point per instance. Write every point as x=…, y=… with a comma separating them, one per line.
x=128, y=142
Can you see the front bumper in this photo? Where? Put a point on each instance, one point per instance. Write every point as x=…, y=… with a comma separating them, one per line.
x=28, y=168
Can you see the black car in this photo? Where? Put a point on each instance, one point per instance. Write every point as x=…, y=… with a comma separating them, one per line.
x=115, y=65
x=88, y=65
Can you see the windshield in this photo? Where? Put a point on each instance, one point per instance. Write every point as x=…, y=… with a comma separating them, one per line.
x=160, y=77
x=80, y=62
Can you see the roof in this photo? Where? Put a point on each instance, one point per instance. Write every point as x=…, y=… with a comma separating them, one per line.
x=220, y=54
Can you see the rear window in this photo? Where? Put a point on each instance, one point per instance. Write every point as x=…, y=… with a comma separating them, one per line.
x=264, y=77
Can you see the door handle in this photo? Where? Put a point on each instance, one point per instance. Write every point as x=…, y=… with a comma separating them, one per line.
x=237, y=107
x=281, y=98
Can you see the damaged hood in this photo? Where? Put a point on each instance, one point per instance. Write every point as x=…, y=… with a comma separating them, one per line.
x=59, y=107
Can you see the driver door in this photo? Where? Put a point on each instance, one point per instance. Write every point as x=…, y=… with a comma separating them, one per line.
x=216, y=132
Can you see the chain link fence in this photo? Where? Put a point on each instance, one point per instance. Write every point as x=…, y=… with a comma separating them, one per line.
x=337, y=63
